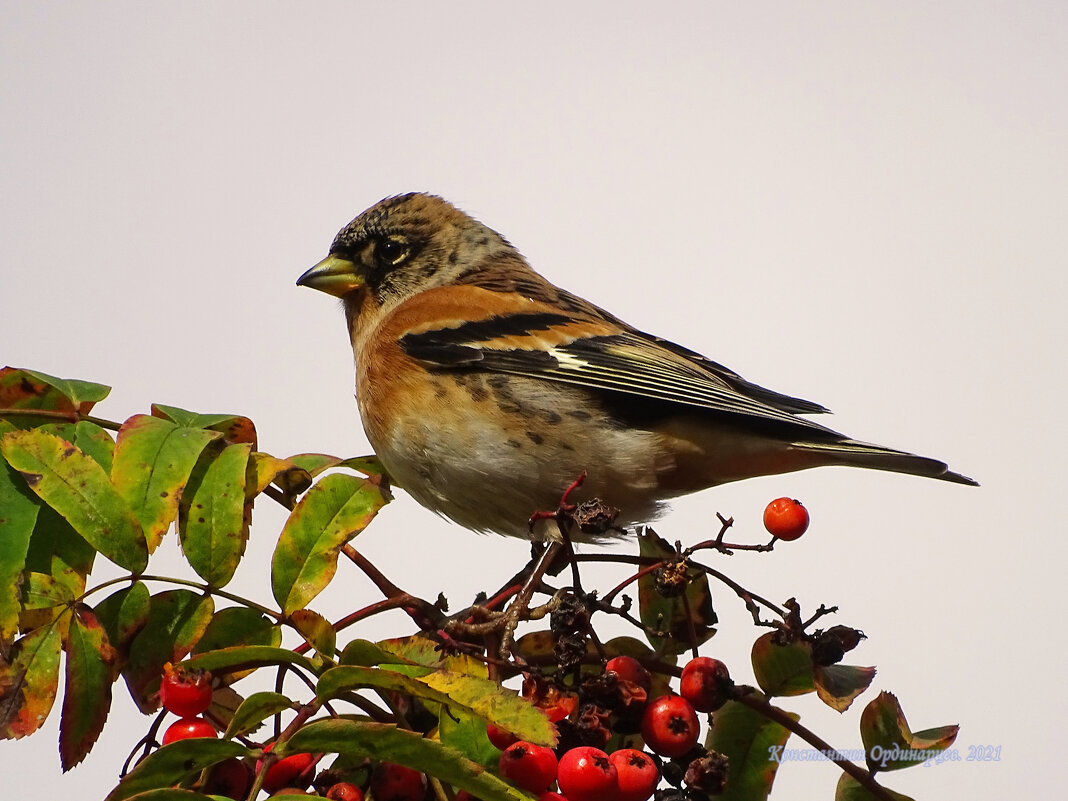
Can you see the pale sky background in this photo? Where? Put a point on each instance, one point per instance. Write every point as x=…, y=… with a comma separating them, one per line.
x=861, y=204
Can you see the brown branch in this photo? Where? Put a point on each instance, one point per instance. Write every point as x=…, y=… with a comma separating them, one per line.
x=69, y=417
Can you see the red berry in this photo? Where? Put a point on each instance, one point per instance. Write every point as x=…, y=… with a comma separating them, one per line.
x=706, y=684
x=500, y=738
x=531, y=767
x=185, y=691
x=587, y=774
x=230, y=778
x=670, y=726
x=630, y=669
x=296, y=770
x=188, y=729
x=786, y=518
x=345, y=791
x=391, y=782
x=549, y=795
x=638, y=774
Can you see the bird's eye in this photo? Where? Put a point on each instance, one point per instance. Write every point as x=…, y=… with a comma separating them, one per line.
x=392, y=251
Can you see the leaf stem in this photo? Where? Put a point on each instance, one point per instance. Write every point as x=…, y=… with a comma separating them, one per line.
x=185, y=583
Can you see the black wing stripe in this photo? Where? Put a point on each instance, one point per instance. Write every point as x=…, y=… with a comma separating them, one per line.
x=484, y=330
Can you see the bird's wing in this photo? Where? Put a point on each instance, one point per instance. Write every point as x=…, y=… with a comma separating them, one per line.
x=522, y=336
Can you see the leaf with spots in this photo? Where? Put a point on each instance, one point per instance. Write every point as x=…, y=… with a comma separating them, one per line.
x=212, y=520
x=28, y=683
x=29, y=389
x=331, y=513
x=95, y=441
x=316, y=630
x=123, y=614
x=237, y=626
x=18, y=515
x=172, y=763
x=286, y=475
x=90, y=673
x=77, y=487
x=56, y=549
x=153, y=460
x=176, y=621
x=234, y=428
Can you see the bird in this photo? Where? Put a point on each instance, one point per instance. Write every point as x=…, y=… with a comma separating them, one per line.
x=485, y=390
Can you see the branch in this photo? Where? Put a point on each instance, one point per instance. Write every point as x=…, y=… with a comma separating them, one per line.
x=748, y=696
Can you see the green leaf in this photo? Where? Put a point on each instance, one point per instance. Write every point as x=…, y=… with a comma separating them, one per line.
x=838, y=685
x=683, y=621
x=495, y=704
x=416, y=650
x=172, y=763
x=330, y=514
x=383, y=741
x=888, y=741
x=466, y=733
x=316, y=630
x=365, y=653
x=750, y=742
x=339, y=680
x=249, y=656
x=212, y=523
x=783, y=669
x=178, y=794
x=27, y=389
x=267, y=469
x=83, y=394
x=91, y=670
x=176, y=621
x=368, y=465
x=28, y=683
x=187, y=419
x=44, y=599
x=849, y=789
x=315, y=463
x=57, y=549
x=18, y=515
x=234, y=428
x=95, y=441
x=238, y=625
x=153, y=460
x=78, y=488
x=254, y=710
x=123, y=614
x=44, y=592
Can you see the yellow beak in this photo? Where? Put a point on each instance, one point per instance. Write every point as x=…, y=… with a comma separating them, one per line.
x=334, y=276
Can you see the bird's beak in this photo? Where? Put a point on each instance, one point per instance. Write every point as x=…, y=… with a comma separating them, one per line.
x=334, y=276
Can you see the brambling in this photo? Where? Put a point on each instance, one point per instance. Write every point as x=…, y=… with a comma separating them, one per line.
x=485, y=390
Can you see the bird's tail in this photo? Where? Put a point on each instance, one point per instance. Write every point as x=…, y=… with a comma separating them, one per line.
x=854, y=453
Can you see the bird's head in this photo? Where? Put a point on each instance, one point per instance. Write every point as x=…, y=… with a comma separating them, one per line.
x=401, y=246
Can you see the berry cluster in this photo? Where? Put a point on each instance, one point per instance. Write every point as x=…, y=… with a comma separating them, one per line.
x=612, y=708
